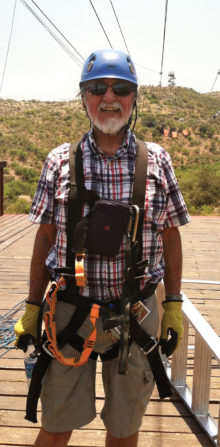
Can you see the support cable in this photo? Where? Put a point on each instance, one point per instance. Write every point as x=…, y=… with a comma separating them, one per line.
x=218, y=73
x=120, y=27
x=101, y=24
x=58, y=40
x=57, y=29
x=146, y=68
x=9, y=43
x=164, y=36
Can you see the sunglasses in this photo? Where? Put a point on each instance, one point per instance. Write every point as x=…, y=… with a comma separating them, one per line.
x=99, y=88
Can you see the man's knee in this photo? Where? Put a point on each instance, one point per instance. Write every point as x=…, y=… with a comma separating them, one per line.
x=48, y=439
x=130, y=441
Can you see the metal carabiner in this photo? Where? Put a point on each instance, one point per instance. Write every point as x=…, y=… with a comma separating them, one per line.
x=137, y=215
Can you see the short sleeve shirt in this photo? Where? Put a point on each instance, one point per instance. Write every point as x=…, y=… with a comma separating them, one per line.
x=111, y=178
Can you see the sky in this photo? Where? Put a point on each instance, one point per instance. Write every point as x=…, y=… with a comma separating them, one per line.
x=38, y=67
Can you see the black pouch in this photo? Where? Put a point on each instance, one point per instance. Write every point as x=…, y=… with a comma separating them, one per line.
x=108, y=223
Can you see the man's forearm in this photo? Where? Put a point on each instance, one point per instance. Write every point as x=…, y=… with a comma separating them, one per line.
x=39, y=276
x=173, y=260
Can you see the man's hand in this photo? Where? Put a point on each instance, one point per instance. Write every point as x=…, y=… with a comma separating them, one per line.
x=26, y=328
x=171, y=327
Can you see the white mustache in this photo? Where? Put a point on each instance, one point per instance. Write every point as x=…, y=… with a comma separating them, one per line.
x=115, y=106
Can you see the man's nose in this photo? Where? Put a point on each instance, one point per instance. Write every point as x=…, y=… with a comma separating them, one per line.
x=109, y=94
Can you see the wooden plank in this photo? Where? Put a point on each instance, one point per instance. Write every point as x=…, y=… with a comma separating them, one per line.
x=10, y=219
x=13, y=239
x=15, y=230
x=155, y=407
x=12, y=226
x=9, y=418
x=96, y=438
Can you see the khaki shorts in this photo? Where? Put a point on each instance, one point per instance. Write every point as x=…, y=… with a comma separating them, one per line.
x=68, y=394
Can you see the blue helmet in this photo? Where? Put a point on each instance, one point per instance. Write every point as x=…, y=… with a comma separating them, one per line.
x=109, y=64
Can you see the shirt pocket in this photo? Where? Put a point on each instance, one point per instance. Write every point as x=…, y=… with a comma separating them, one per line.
x=156, y=204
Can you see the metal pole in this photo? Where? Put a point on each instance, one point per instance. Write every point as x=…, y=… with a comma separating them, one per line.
x=2, y=166
x=200, y=281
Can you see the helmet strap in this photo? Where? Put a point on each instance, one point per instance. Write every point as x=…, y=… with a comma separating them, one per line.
x=135, y=117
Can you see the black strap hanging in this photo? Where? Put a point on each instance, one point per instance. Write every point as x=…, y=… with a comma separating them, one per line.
x=131, y=285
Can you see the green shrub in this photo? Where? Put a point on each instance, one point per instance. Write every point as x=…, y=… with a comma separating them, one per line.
x=206, y=130
x=19, y=206
x=14, y=188
x=201, y=187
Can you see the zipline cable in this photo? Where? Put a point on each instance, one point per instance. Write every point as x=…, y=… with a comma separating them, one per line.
x=9, y=43
x=164, y=36
x=120, y=27
x=58, y=40
x=57, y=29
x=101, y=24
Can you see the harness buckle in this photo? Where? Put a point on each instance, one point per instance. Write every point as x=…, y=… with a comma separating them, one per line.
x=150, y=346
x=79, y=270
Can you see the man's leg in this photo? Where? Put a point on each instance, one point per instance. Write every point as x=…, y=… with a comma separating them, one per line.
x=130, y=441
x=47, y=439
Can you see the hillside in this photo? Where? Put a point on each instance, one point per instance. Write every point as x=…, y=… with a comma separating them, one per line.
x=30, y=129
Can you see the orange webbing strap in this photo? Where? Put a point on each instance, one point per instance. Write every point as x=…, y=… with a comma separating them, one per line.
x=50, y=326
x=79, y=270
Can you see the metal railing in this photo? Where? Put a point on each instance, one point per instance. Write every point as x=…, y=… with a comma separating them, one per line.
x=205, y=348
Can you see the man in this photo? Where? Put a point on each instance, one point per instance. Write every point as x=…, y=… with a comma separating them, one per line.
x=108, y=90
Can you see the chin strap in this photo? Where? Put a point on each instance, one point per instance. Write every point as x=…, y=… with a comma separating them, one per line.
x=135, y=118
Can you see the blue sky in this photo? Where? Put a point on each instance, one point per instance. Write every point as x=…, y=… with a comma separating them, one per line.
x=38, y=68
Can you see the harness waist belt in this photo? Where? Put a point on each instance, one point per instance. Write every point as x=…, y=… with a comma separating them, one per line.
x=70, y=296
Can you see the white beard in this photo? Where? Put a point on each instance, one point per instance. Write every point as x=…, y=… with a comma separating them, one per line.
x=113, y=125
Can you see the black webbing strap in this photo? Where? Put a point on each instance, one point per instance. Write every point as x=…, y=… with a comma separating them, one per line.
x=131, y=286
x=76, y=197
x=139, y=189
x=76, y=321
x=34, y=391
x=146, y=343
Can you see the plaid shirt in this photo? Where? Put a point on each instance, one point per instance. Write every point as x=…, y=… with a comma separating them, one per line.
x=111, y=178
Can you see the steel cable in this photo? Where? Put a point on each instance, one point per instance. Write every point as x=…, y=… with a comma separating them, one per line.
x=9, y=43
x=101, y=23
x=59, y=41
x=7, y=322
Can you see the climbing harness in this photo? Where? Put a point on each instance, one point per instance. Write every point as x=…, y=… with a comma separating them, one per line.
x=116, y=313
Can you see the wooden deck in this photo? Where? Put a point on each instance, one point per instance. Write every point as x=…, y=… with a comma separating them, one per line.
x=167, y=422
